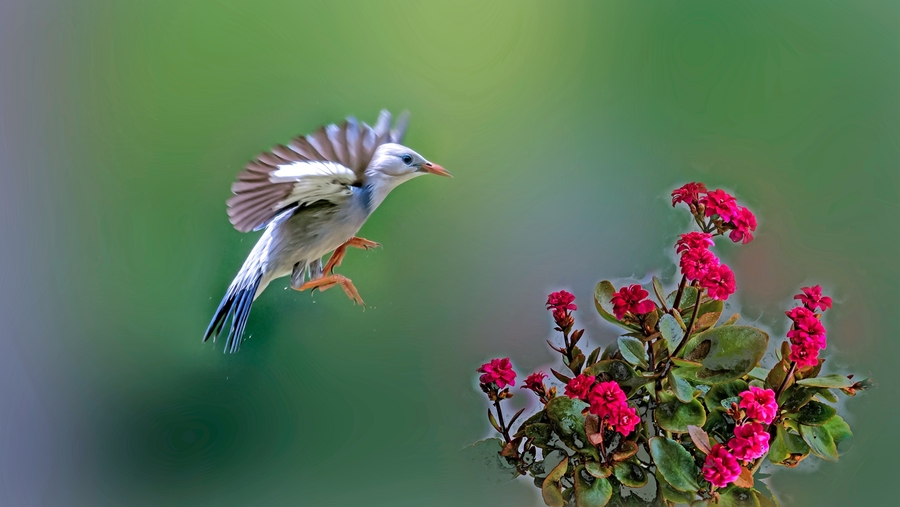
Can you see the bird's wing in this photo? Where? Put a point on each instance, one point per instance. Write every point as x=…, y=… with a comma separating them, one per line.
x=319, y=166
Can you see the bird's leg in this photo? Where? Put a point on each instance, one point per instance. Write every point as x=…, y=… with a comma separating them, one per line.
x=326, y=282
x=339, y=252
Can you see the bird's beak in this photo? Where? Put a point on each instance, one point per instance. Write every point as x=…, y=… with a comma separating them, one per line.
x=430, y=168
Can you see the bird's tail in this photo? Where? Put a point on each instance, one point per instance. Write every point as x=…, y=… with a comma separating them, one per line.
x=236, y=304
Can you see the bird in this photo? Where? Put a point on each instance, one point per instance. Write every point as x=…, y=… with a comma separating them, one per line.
x=311, y=198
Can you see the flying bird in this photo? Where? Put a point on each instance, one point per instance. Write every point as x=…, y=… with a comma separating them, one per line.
x=312, y=197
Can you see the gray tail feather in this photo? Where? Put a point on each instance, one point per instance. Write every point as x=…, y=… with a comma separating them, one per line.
x=236, y=304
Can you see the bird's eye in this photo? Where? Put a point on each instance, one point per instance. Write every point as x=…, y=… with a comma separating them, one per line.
x=406, y=159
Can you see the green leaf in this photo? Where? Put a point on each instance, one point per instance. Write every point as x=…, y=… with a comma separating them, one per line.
x=734, y=496
x=840, y=433
x=815, y=414
x=759, y=373
x=603, y=294
x=684, y=391
x=687, y=298
x=763, y=500
x=717, y=425
x=708, y=314
x=671, y=494
x=723, y=391
x=658, y=290
x=597, y=470
x=486, y=462
x=830, y=381
x=777, y=449
x=650, y=321
x=675, y=464
x=633, y=351
x=820, y=442
x=621, y=372
x=731, y=320
x=550, y=488
x=565, y=414
x=671, y=331
x=539, y=417
x=540, y=432
x=594, y=355
x=610, y=351
x=777, y=374
x=675, y=416
x=763, y=493
x=630, y=474
x=725, y=353
x=787, y=448
x=591, y=491
x=827, y=395
x=626, y=450
x=795, y=397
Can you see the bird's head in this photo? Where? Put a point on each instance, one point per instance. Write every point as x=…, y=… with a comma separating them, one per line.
x=394, y=164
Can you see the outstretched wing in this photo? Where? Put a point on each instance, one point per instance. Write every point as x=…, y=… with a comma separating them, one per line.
x=319, y=166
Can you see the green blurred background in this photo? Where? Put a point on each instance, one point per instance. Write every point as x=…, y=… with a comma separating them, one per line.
x=122, y=125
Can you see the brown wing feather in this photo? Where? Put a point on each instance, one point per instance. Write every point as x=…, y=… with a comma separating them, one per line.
x=257, y=199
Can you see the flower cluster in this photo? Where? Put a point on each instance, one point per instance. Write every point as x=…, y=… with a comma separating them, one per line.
x=561, y=303
x=684, y=383
x=701, y=265
x=632, y=299
x=721, y=207
x=721, y=467
x=759, y=404
x=535, y=384
x=609, y=403
x=579, y=387
x=498, y=371
x=750, y=441
x=807, y=334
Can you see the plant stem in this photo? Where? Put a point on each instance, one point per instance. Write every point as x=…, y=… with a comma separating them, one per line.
x=505, y=431
x=679, y=293
x=784, y=383
x=687, y=336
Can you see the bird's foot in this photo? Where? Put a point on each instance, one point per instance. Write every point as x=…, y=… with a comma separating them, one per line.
x=338, y=256
x=326, y=282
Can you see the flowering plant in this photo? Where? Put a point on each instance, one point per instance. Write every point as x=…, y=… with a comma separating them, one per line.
x=679, y=409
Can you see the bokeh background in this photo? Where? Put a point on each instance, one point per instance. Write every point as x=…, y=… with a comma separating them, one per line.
x=122, y=125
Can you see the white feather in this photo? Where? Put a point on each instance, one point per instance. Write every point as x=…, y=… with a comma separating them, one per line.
x=314, y=181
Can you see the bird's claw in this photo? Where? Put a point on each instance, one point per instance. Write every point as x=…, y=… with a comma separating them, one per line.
x=327, y=282
x=338, y=256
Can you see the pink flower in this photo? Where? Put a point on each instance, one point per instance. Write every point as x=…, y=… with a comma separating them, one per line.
x=799, y=312
x=759, y=404
x=750, y=441
x=804, y=354
x=812, y=298
x=579, y=387
x=560, y=303
x=604, y=396
x=719, y=202
x=694, y=240
x=688, y=194
x=721, y=468
x=631, y=299
x=535, y=382
x=744, y=224
x=623, y=418
x=696, y=262
x=561, y=300
x=719, y=282
x=808, y=329
x=498, y=371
